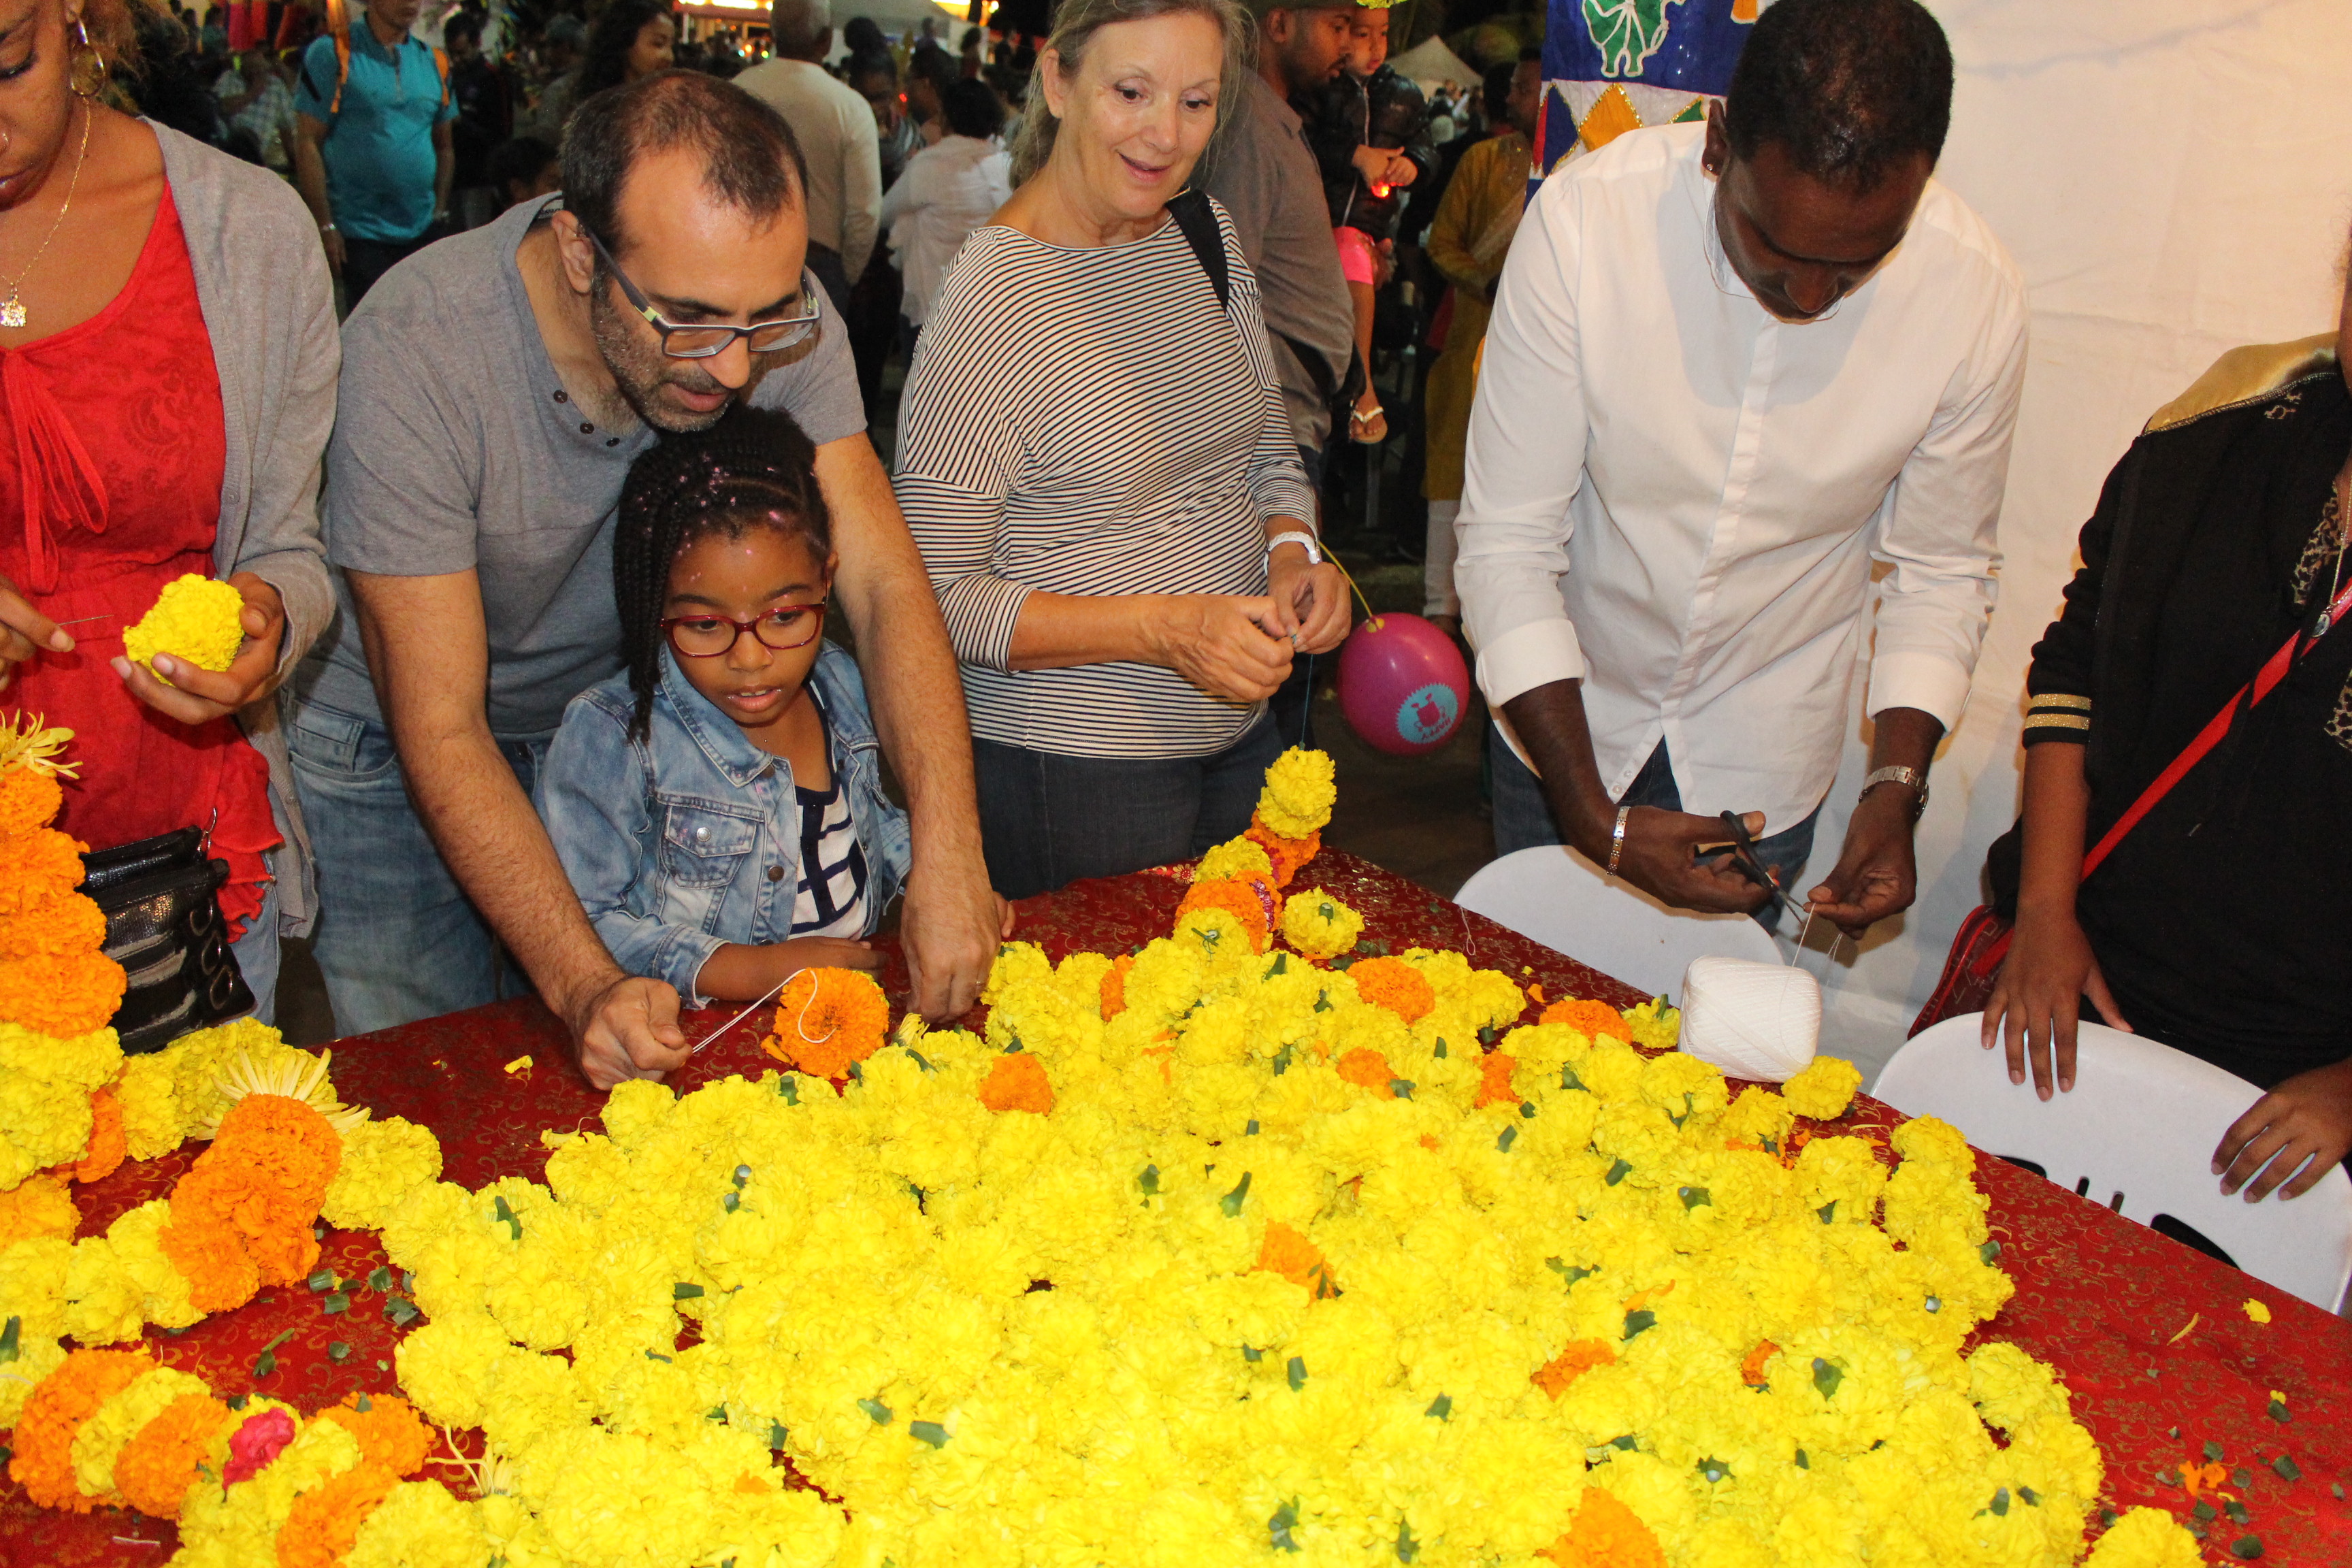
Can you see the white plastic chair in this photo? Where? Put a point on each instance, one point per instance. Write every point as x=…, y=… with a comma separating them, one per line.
x=1555, y=896
x=2134, y=1133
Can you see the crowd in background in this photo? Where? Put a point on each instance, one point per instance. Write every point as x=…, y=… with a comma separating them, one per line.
x=943, y=98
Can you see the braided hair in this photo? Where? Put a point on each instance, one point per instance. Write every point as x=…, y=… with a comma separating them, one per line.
x=752, y=469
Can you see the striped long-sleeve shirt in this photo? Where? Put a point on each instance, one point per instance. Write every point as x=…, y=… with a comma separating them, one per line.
x=1090, y=421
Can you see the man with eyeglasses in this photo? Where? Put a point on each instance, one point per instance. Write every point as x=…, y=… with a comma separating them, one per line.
x=494, y=389
x=1734, y=370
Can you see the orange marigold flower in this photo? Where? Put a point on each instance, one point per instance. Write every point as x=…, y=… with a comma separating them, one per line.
x=60, y=921
x=1241, y=897
x=1494, y=1071
x=54, y=1412
x=325, y=1521
x=1017, y=1082
x=1591, y=1020
x=155, y=1469
x=38, y=1206
x=1288, y=855
x=827, y=1019
x=1605, y=1533
x=253, y=1192
x=221, y=1275
x=1751, y=1366
x=1581, y=1357
x=1289, y=1254
x=1393, y=984
x=1368, y=1068
x=61, y=993
x=1113, y=986
x=29, y=798
x=390, y=1432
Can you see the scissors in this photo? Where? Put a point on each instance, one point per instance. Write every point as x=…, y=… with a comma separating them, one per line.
x=1744, y=855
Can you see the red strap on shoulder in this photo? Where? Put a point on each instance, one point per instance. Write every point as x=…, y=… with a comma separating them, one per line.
x=2265, y=681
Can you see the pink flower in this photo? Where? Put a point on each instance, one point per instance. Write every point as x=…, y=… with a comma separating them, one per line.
x=257, y=1442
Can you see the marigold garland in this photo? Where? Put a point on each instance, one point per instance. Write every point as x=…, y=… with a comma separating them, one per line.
x=1285, y=856
x=1298, y=793
x=827, y=1019
x=1393, y=984
x=43, y=1443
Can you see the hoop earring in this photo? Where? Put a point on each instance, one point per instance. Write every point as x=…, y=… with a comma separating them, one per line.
x=86, y=76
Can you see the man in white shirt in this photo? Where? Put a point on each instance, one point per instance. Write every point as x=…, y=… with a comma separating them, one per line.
x=1734, y=369
x=835, y=129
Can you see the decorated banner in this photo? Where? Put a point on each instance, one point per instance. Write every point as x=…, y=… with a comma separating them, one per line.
x=1613, y=66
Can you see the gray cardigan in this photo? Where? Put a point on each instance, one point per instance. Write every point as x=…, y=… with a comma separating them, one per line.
x=269, y=307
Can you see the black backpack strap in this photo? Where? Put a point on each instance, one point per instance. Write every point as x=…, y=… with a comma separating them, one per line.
x=1193, y=214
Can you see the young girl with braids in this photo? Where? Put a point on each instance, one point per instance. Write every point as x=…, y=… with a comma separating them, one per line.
x=719, y=804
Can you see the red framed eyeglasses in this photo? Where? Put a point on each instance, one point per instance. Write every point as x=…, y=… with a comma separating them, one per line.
x=782, y=629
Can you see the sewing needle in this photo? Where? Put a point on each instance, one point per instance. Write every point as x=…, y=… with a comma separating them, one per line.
x=746, y=1012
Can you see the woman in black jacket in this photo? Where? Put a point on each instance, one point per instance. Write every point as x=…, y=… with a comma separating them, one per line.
x=2222, y=922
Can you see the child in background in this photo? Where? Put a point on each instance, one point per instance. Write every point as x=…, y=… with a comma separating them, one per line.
x=719, y=805
x=1369, y=132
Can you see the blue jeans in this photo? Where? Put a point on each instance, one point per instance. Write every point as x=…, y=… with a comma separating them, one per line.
x=256, y=953
x=1523, y=817
x=1046, y=819
x=396, y=938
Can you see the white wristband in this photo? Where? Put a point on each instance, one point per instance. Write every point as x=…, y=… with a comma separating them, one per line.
x=1314, y=550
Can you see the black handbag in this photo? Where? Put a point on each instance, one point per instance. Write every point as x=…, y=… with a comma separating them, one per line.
x=164, y=925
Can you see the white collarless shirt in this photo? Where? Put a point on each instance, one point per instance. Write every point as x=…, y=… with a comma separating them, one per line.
x=1679, y=499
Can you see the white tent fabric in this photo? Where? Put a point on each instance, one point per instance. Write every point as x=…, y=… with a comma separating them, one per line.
x=1429, y=64
x=2175, y=178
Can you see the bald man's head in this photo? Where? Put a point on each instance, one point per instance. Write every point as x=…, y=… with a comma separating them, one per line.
x=800, y=29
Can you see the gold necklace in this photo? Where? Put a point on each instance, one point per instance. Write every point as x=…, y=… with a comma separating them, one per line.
x=12, y=309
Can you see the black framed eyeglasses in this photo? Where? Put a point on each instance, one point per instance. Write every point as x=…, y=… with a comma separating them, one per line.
x=782, y=629
x=702, y=340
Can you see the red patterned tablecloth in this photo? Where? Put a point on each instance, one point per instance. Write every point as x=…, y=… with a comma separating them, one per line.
x=2100, y=1297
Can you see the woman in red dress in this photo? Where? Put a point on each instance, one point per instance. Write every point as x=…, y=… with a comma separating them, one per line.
x=167, y=368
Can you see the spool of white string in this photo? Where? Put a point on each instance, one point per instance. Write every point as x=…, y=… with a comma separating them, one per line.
x=1754, y=1020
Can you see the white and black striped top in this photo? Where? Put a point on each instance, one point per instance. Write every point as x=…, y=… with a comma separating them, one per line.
x=829, y=898
x=1092, y=422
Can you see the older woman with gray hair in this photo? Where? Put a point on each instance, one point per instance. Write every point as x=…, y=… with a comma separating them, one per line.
x=1098, y=467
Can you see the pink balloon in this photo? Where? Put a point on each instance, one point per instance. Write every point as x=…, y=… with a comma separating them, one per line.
x=1402, y=685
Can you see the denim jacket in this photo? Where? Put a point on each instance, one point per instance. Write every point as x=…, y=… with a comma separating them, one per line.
x=689, y=840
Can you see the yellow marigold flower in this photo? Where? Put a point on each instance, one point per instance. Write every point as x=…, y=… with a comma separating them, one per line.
x=86, y=1060
x=195, y=618
x=2147, y=1538
x=1823, y=1090
x=383, y=1160
x=1298, y=793
x=418, y=1525
x=1319, y=924
x=1236, y=860
x=2011, y=1388
x=1655, y=1025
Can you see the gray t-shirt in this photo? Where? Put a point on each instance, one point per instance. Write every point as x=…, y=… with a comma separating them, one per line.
x=455, y=447
x=1264, y=176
